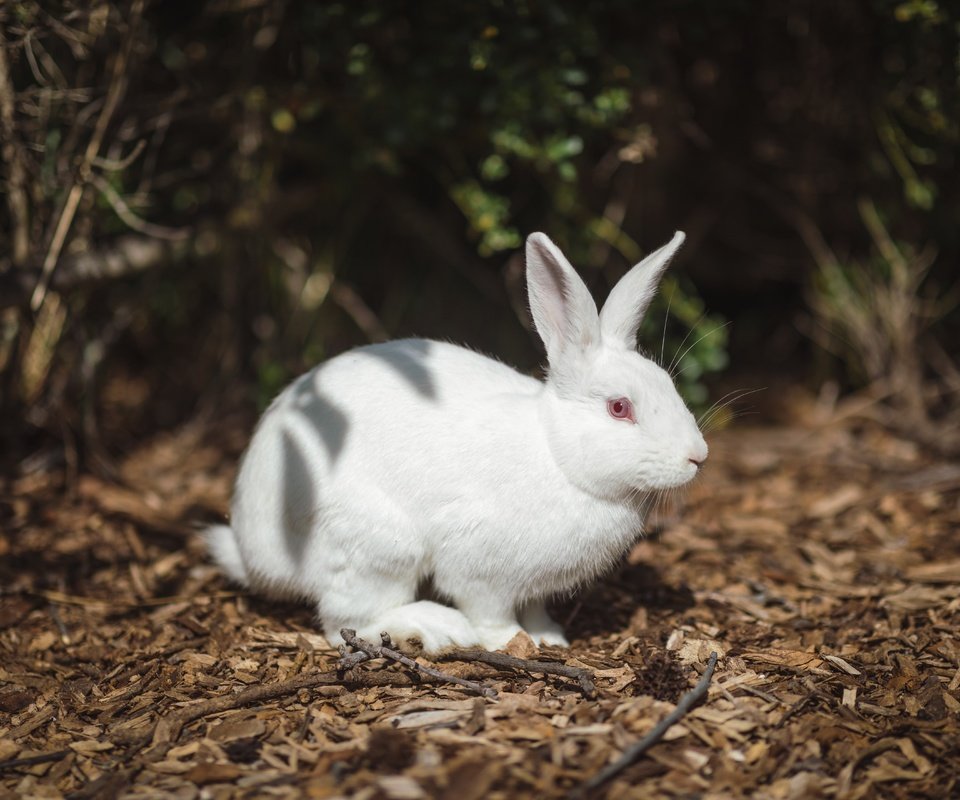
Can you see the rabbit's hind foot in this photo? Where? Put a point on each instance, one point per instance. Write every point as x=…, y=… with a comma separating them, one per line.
x=541, y=626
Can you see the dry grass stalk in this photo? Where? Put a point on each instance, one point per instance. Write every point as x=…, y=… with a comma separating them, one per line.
x=875, y=316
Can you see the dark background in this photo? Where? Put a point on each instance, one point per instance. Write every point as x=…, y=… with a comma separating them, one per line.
x=201, y=199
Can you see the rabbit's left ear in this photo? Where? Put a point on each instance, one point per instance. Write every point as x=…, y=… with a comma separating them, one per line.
x=623, y=312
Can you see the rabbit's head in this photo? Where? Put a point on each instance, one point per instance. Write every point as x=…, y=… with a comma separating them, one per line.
x=615, y=423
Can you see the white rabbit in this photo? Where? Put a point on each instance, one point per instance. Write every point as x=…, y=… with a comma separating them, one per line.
x=416, y=461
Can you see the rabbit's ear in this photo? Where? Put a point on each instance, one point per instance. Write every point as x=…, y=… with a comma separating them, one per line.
x=622, y=313
x=563, y=310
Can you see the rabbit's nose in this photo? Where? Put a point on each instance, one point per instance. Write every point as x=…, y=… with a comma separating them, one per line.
x=698, y=454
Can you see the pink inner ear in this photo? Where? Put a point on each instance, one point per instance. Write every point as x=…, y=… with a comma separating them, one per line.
x=621, y=408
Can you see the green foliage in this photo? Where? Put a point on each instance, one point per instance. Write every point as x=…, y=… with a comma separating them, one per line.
x=488, y=214
x=919, y=114
x=420, y=100
x=348, y=171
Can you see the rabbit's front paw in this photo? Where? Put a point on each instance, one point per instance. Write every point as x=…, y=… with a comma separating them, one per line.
x=435, y=627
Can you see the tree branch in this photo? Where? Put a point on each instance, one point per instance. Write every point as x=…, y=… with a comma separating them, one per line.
x=125, y=256
x=118, y=86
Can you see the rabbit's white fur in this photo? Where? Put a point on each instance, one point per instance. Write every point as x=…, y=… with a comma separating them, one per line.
x=416, y=461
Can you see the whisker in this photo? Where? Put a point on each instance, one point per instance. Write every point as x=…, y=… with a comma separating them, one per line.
x=715, y=415
x=684, y=340
x=678, y=374
x=735, y=395
x=731, y=402
x=710, y=417
x=714, y=404
x=708, y=333
x=739, y=414
x=666, y=319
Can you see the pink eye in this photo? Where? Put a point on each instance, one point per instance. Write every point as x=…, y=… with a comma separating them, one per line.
x=621, y=408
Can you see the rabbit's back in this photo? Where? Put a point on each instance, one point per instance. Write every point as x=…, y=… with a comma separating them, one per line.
x=384, y=438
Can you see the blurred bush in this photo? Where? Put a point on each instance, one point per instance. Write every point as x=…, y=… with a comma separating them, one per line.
x=206, y=196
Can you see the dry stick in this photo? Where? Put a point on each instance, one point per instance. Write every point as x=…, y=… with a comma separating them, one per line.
x=385, y=650
x=583, y=676
x=29, y=761
x=632, y=753
x=169, y=727
x=118, y=86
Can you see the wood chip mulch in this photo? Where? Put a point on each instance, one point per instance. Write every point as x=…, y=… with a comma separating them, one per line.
x=822, y=564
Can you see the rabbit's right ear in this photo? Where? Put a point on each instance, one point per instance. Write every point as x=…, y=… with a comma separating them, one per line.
x=563, y=310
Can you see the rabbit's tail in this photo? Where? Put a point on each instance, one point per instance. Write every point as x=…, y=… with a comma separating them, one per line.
x=222, y=545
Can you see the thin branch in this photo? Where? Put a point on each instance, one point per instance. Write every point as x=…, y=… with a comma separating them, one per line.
x=13, y=157
x=366, y=320
x=54, y=71
x=118, y=86
x=77, y=40
x=122, y=210
x=118, y=164
x=632, y=753
x=583, y=676
x=32, y=61
x=168, y=728
x=126, y=255
x=29, y=761
x=385, y=650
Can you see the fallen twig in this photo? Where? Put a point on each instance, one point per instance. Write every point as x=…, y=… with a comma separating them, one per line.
x=30, y=761
x=632, y=753
x=385, y=650
x=168, y=728
x=583, y=676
